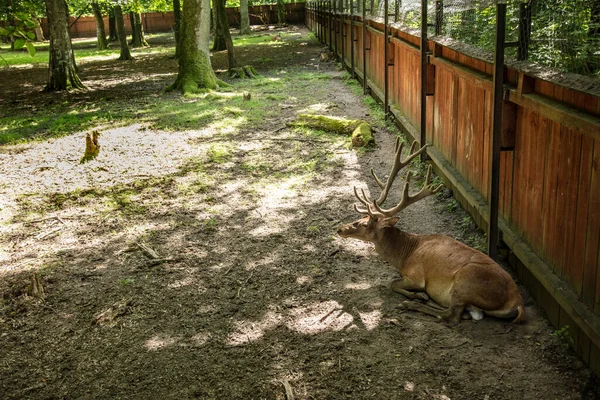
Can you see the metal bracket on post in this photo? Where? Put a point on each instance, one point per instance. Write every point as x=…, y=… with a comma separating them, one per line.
x=493, y=232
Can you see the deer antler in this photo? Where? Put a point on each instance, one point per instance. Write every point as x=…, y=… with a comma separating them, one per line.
x=372, y=208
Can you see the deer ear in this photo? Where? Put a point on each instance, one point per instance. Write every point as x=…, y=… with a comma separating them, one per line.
x=390, y=221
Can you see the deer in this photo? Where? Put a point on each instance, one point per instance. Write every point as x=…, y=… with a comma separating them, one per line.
x=440, y=276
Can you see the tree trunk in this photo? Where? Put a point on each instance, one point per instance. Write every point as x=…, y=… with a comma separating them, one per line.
x=195, y=70
x=280, y=12
x=177, y=15
x=244, y=18
x=39, y=33
x=62, y=70
x=112, y=27
x=100, y=33
x=220, y=42
x=125, y=53
x=223, y=31
x=594, y=26
x=139, y=26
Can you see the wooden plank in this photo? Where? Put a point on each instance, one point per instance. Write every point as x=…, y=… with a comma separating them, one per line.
x=583, y=194
x=454, y=114
x=477, y=116
x=544, y=88
x=474, y=77
x=572, y=331
x=506, y=162
x=463, y=133
x=519, y=159
x=584, y=346
x=536, y=179
x=570, y=163
x=550, y=190
x=591, y=104
x=595, y=359
x=488, y=105
x=593, y=231
x=557, y=238
x=560, y=113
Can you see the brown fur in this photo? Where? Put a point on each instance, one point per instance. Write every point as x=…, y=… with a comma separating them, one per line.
x=455, y=276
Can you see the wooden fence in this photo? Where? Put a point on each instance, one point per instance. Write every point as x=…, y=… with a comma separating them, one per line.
x=164, y=22
x=550, y=160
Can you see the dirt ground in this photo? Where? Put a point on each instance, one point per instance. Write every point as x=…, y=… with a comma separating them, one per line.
x=252, y=290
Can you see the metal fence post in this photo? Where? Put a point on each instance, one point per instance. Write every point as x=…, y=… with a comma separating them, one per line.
x=342, y=24
x=493, y=232
x=423, y=138
x=386, y=72
x=330, y=25
x=439, y=16
x=364, y=37
x=352, y=38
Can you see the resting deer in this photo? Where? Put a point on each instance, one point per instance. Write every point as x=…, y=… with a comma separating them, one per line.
x=456, y=277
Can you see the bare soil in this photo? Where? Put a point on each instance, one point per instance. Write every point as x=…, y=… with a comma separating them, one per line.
x=252, y=289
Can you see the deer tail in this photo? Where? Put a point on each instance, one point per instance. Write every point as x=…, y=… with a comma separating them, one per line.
x=520, y=315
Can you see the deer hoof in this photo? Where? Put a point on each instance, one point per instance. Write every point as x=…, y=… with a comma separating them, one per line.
x=422, y=296
x=404, y=305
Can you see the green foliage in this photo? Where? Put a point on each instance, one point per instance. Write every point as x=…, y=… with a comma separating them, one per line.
x=564, y=336
x=20, y=32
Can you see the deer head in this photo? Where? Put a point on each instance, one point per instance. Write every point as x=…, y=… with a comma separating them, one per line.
x=377, y=218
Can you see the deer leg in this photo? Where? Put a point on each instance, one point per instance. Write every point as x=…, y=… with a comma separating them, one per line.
x=453, y=313
x=405, y=287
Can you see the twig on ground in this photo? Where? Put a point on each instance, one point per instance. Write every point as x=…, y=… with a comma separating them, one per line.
x=289, y=393
x=157, y=261
x=148, y=251
x=46, y=234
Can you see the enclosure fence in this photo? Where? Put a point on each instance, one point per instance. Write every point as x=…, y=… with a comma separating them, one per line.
x=507, y=94
x=155, y=22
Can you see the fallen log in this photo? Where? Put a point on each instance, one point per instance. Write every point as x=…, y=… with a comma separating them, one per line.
x=359, y=130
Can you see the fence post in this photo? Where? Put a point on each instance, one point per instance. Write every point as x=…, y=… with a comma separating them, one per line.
x=496, y=128
x=423, y=138
x=386, y=72
x=439, y=16
x=364, y=37
x=352, y=38
x=330, y=25
x=342, y=24
x=396, y=10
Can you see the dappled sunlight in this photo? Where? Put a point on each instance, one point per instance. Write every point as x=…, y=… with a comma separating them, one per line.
x=159, y=342
x=312, y=319
x=200, y=339
x=358, y=286
x=126, y=153
x=304, y=280
x=370, y=319
x=319, y=317
x=249, y=331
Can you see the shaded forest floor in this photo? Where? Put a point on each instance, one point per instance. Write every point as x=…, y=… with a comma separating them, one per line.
x=252, y=287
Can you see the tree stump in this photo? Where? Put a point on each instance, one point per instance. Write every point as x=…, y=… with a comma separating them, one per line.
x=92, y=146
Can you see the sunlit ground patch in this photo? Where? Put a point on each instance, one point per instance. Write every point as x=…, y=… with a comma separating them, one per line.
x=159, y=342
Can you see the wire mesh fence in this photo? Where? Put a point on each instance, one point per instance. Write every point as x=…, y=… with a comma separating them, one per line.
x=562, y=34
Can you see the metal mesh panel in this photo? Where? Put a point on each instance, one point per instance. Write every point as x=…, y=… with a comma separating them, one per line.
x=562, y=34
